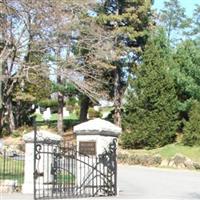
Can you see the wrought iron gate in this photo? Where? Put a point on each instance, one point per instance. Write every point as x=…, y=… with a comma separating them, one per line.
x=60, y=171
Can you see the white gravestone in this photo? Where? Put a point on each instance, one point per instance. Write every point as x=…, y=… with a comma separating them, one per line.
x=98, y=134
x=37, y=111
x=47, y=114
x=28, y=186
x=65, y=112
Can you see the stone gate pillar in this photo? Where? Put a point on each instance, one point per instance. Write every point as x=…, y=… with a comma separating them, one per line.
x=42, y=135
x=93, y=139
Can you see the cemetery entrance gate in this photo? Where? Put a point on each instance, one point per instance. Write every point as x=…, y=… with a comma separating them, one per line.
x=60, y=171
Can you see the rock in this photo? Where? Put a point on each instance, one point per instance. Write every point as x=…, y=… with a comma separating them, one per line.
x=196, y=165
x=133, y=160
x=164, y=163
x=157, y=159
x=171, y=163
x=145, y=160
x=189, y=164
x=122, y=158
x=179, y=159
x=181, y=166
x=65, y=112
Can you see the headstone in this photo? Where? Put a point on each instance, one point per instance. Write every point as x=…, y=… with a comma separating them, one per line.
x=1, y=145
x=65, y=112
x=47, y=114
x=37, y=111
x=42, y=135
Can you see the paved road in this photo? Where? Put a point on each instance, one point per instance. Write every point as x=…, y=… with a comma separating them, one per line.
x=148, y=183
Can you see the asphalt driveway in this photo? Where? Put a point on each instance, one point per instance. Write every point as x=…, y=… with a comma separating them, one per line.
x=150, y=183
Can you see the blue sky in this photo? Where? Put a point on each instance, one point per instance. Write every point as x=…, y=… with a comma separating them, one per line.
x=189, y=5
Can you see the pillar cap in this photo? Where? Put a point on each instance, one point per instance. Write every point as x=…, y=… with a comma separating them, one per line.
x=97, y=127
x=42, y=135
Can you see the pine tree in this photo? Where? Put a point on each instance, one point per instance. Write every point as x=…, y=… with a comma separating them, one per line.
x=174, y=19
x=150, y=110
x=127, y=22
x=191, y=134
x=186, y=73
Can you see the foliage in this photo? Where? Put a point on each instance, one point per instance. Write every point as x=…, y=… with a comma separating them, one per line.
x=150, y=109
x=32, y=92
x=72, y=101
x=93, y=113
x=128, y=24
x=195, y=29
x=191, y=134
x=72, y=104
x=173, y=18
x=186, y=73
x=67, y=89
x=48, y=103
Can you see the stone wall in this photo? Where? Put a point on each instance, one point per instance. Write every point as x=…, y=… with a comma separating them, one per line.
x=178, y=161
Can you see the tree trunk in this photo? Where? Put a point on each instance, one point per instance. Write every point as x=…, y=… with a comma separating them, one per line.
x=11, y=119
x=118, y=93
x=60, y=113
x=1, y=96
x=60, y=108
x=84, y=108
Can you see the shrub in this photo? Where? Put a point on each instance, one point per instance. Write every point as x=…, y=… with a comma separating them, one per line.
x=93, y=113
x=53, y=104
x=48, y=103
x=72, y=104
x=191, y=129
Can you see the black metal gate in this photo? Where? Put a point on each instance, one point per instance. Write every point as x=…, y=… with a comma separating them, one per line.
x=60, y=171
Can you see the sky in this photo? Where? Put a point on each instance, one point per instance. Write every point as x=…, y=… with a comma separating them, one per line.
x=189, y=5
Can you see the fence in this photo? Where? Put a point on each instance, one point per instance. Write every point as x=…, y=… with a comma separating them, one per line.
x=63, y=172
x=11, y=171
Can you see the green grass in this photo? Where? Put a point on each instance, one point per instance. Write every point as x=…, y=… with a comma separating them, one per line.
x=12, y=169
x=66, y=178
x=54, y=117
x=69, y=121
x=170, y=150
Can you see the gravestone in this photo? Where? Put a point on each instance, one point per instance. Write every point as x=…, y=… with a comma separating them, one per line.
x=93, y=139
x=42, y=135
x=65, y=112
x=37, y=111
x=47, y=114
x=1, y=145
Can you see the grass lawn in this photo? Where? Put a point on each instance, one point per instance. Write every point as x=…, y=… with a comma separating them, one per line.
x=169, y=151
x=54, y=117
x=65, y=177
x=69, y=121
x=12, y=169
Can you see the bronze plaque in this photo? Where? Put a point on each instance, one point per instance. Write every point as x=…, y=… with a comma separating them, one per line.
x=87, y=148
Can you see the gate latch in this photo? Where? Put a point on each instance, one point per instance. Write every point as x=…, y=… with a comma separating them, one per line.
x=38, y=174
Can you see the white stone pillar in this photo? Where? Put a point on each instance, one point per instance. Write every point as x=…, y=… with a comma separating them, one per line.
x=101, y=133
x=28, y=186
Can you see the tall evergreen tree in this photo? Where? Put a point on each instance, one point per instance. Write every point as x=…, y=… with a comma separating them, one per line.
x=173, y=18
x=150, y=110
x=191, y=134
x=127, y=22
x=196, y=21
x=186, y=74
